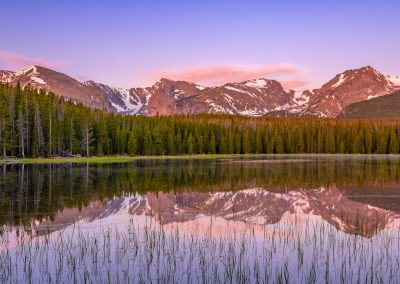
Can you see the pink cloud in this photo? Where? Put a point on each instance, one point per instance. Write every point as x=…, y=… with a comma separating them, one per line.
x=294, y=84
x=13, y=60
x=221, y=74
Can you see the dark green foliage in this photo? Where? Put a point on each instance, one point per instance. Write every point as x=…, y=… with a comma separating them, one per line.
x=36, y=124
x=394, y=143
x=132, y=144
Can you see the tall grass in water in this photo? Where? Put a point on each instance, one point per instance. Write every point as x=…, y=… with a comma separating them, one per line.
x=305, y=250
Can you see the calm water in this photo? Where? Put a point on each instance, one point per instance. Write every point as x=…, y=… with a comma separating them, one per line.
x=261, y=220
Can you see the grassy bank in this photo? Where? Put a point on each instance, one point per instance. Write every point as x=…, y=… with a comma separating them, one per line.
x=115, y=159
x=126, y=159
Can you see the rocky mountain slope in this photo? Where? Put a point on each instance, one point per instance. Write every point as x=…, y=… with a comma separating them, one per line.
x=256, y=97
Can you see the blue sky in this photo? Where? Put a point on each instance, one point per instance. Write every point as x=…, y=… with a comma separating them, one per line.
x=132, y=43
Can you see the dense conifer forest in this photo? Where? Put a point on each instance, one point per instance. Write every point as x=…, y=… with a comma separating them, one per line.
x=34, y=123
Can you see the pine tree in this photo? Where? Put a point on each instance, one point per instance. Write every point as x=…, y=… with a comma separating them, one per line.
x=178, y=142
x=320, y=143
x=238, y=143
x=212, y=145
x=259, y=144
x=99, y=149
x=302, y=145
x=87, y=138
x=148, y=143
x=357, y=147
x=330, y=146
x=342, y=147
x=223, y=147
x=230, y=141
x=158, y=145
x=382, y=144
x=171, y=145
x=393, y=144
x=21, y=133
x=368, y=141
x=278, y=144
x=246, y=143
x=132, y=144
x=200, y=144
x=191, y=146
x=288, y=143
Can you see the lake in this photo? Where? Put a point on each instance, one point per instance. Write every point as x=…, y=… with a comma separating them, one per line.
x=264, y=219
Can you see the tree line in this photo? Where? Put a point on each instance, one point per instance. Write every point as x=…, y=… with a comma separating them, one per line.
x=34, y=123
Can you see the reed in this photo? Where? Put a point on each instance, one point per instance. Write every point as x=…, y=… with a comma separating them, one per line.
x=301, y=252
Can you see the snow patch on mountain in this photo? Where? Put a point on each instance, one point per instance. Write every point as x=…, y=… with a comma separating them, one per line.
x=217, y=108
x=6, y=76
x=32, y=69
x=252, y=112
x=340, y=81
x=131, y=105
x=283, y=107
x=121, y=100
x=257, y=83
x=38, y=80
x=394, y=80
x=300, y=98
x=235, y=89
x=373, y=96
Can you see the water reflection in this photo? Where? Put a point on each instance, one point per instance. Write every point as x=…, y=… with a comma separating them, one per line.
x=34, y=192
x=298, y=219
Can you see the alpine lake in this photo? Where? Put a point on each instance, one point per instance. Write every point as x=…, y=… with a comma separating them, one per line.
x=261, y=219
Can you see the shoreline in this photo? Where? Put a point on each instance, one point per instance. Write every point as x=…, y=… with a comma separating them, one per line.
x=127, y=159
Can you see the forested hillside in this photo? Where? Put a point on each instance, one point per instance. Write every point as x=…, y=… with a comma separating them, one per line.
x=383, y=107
x=36, y=124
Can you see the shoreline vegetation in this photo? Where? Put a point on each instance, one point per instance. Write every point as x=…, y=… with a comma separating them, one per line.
x=127, y=159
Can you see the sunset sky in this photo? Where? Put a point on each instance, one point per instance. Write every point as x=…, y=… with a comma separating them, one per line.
x=134, y=43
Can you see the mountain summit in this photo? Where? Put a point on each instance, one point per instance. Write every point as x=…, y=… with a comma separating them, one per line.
x=350, y=87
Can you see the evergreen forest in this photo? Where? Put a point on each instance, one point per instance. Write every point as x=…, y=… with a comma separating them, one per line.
x=34, y=123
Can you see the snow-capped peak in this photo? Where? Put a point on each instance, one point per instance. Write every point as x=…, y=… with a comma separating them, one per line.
x=257, y=83
x=32, y=73
x=31, y=69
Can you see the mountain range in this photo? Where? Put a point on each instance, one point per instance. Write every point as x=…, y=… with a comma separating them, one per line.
x=257, y=97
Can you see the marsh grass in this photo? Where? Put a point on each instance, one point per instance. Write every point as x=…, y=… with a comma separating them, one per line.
x=118, y=159
x=305, y=250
